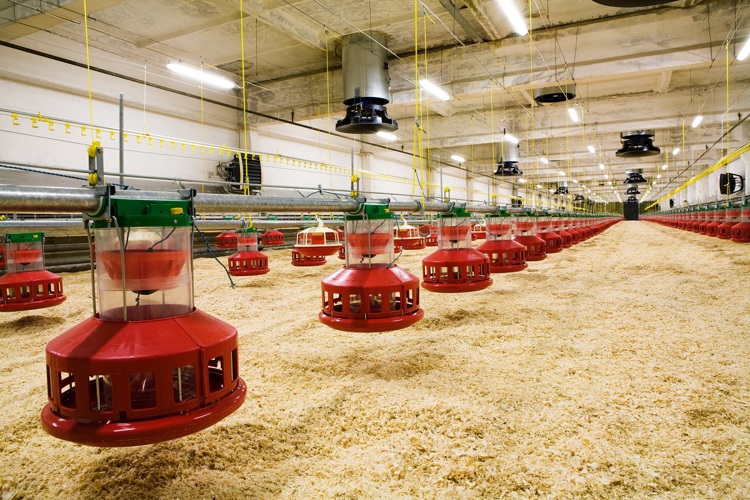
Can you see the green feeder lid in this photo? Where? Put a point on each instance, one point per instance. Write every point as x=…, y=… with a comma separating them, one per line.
x=147, y=213
x=23, y=237
x=377, y=211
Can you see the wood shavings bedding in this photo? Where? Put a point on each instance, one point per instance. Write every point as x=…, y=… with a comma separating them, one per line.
x=617, y=368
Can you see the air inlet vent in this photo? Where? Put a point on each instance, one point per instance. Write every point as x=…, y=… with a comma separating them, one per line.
x=637, y=144
x=558, y=93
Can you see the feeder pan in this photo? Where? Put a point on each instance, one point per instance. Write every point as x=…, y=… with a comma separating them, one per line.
x=536, y=248
x=725, y=229
x=248, y=261
x=272, y=238
x=370, y=294
x=455, y=266
x=505, y=254
x=300, y=260
x=408, y=237
x=227, y=239
x=552, y=240
x=26, y=285
x=741, y=230
x=431, y=240
x=318, y=241
x=712, y=229
x=567, y=238
x=478, y=232
x=148, y=366
x=426, y=229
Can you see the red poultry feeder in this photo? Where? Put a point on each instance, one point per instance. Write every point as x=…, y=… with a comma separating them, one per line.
x=272, y=238
x=408, y=237
x=536, y=248
x=227, y=240
x=2, y=257
x=506, y=255
x=478, y=232
x=147, y=366
x=552, y=240
x=318, y=241
x=716, y=218
x=26, y=285
x=371, y=293
x=731, y=218
x=455, y=266
x=301, y=260
x=562, y=227
x=741, y=230
x=248, y=261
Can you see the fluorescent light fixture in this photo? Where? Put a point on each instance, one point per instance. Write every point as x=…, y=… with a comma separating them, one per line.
x=601, y=166
x=658, y=176
x=514, y=16
x=510, y=138
x=544, y=160
x=434, y=90
x=675, y=151
x=606, y=176
x=539, y=186
x=574, y=181
x=561, y=173
x=458, y=158
x=744, y=51
x=552, y=191
x=207, y=77
x=664, y=167
x=387, y=136
x=697, y=121
x=591, y=148
x=573, y=114
x=522, y=181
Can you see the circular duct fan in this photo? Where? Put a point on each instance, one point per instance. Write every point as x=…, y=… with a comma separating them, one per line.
x=558, y=93
x=637, y=144
x=632, y=3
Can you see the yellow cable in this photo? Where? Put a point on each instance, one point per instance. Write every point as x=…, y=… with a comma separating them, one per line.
x=245, y=188
x=726, y=133
x=328, y=99
x=88, y=61
x=416, y=89
x=203, y=158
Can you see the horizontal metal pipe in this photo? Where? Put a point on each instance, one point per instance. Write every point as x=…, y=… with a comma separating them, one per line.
x=227, y=203
x=39, y=199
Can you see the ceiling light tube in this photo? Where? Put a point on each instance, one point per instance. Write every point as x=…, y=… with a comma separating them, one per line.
x=664, y=167
x=744, y=51
x=514, y=16
x=601, y=166
x=539, y=186
x=522, y=181
x=591, y=149
x=574, y=181
x=561, y=173
x=573, y=114
x=544, y=160
x=387, y=136
x=697, y=121
x=434, y=90
x=675, y=151
x=458, y=158
x=207, y=77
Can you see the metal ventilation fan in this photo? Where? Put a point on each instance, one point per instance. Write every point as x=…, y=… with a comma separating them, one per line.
x=578, y=197
x=507, y=168
x=562, y=190
x=632, y=199
x=632, y=3
x=632, y=190
x=635, y=178
x=558, y=93
x=637, y=144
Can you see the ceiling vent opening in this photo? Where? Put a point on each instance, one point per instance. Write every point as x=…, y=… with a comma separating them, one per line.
x=637, y=144
x=366, y=85
x=557, y=93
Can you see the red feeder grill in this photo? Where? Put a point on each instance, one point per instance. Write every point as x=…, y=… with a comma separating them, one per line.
x=148, y=367
x=26, y=284
x=248, y=261
x=562, y=229
x=455, y=266
x=741, y=230
x=317, y=242
x=272, y=238
x=505, y=254
x=370, y=294
x=227, y=239
x=725, y=229
x=2, y=257
x=536, y=248
x=552, y=240
x=301, y=260
x=408, y=237
x=716, y=217
x=431, y=240
x=342, y=252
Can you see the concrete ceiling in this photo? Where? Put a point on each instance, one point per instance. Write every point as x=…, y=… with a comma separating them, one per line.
x=639, y=68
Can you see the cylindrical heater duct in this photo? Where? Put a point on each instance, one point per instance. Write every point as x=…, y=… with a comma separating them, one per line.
x=366, y=85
